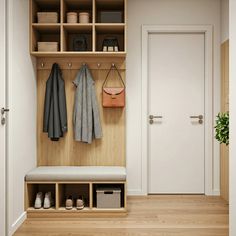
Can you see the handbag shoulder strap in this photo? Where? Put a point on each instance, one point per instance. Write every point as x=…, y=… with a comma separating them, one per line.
x=105, y=81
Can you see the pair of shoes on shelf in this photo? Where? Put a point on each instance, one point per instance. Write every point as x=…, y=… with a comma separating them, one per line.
x=79, y=203
x=46, y=203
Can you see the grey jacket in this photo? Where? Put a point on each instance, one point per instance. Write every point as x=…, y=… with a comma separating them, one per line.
x=55, y=114
x=86, y=112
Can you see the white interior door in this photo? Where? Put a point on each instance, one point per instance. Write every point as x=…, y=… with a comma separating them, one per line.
x=176, y=92
x=2, y=127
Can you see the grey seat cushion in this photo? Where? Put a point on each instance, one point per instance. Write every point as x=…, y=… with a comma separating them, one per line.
x=77, y=173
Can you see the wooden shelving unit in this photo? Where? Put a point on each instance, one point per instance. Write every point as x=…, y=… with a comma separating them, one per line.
x=60, y=190
x=112, y=120
x=63, y=32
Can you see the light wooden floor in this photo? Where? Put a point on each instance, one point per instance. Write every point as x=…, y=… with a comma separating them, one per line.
x=153, y=215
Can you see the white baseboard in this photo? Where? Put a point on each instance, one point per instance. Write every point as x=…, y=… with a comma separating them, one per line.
x=216, y=192
x=17, y=223
x=135, y=192
x=140, y=192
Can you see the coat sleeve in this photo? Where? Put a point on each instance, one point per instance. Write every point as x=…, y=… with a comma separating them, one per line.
x=62, y=104
x=47, y=102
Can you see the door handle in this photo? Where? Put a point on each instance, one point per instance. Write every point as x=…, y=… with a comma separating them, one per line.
x=151, y=117
x=3, y=110
x=199, y=117
x=3, y=119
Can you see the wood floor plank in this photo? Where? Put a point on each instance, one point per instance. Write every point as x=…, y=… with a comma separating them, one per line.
x=160, y=215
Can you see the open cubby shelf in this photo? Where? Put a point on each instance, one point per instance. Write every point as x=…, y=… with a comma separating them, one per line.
x=61, y=190
x=110, y=6
x=74, y=190
x=77, y=6
x=70, y=31
x=64, y=33
x=44, y=6
x=34, y=188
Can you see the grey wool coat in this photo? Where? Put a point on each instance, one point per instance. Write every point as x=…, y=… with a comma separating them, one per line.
x=55, y=113
x=86, y=112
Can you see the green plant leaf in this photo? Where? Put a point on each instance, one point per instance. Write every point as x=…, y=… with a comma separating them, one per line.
x=222, y=128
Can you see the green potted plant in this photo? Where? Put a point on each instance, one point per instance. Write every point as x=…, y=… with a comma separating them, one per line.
x=222, y=127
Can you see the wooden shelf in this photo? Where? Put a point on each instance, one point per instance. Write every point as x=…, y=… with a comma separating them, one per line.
x=84, y=210
x=113, y=210
x=74, y=210
x=46, y=25
x=49, y=28
x=78, y=26
x=63, y=32
x=110, y=28
x=79, y=54
x=32, y=209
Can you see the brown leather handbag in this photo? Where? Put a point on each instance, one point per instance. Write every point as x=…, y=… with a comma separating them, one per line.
x=113, y=97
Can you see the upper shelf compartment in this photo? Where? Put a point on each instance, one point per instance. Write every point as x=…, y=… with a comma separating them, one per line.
x=110, y=11
x=101, y=21
x=106, y=33
x=77, y=6
x=38, y=6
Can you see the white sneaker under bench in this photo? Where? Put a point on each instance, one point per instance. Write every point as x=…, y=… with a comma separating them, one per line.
x=48, y=201
x=38, y=200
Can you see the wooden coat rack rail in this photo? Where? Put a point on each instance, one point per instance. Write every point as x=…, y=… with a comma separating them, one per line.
x=76, y=63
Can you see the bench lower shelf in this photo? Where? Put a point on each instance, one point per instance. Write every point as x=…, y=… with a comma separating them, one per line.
x=74, y=213
x=74, y=210
x=61, y=190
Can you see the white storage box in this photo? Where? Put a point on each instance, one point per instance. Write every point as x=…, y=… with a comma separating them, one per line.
x=108, y=197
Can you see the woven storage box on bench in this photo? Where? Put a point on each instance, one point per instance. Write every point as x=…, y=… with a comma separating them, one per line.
x=108, y=197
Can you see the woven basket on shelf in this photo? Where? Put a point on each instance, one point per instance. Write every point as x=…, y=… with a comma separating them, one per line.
x=72, y=17
x=48, y=46
x=47, y=17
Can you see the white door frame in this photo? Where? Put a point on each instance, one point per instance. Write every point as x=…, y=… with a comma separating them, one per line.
x=208, y=118
x=3, y=200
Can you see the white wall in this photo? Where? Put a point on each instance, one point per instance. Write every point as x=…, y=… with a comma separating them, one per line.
x=22, y=103
x=224, y=20
x=163, y=12
x=232, y=109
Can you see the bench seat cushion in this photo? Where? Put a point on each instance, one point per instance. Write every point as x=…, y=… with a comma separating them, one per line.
x=77, y=173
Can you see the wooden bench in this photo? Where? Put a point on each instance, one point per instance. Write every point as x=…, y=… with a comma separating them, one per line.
x=63, y=181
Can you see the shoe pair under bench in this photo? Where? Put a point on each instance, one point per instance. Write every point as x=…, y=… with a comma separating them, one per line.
x=79, y=203
x=46, y=202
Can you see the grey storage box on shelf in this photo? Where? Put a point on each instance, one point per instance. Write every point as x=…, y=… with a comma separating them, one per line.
x=48, y=46
x=108, y=197
x=110, y=16
x=47, y=17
